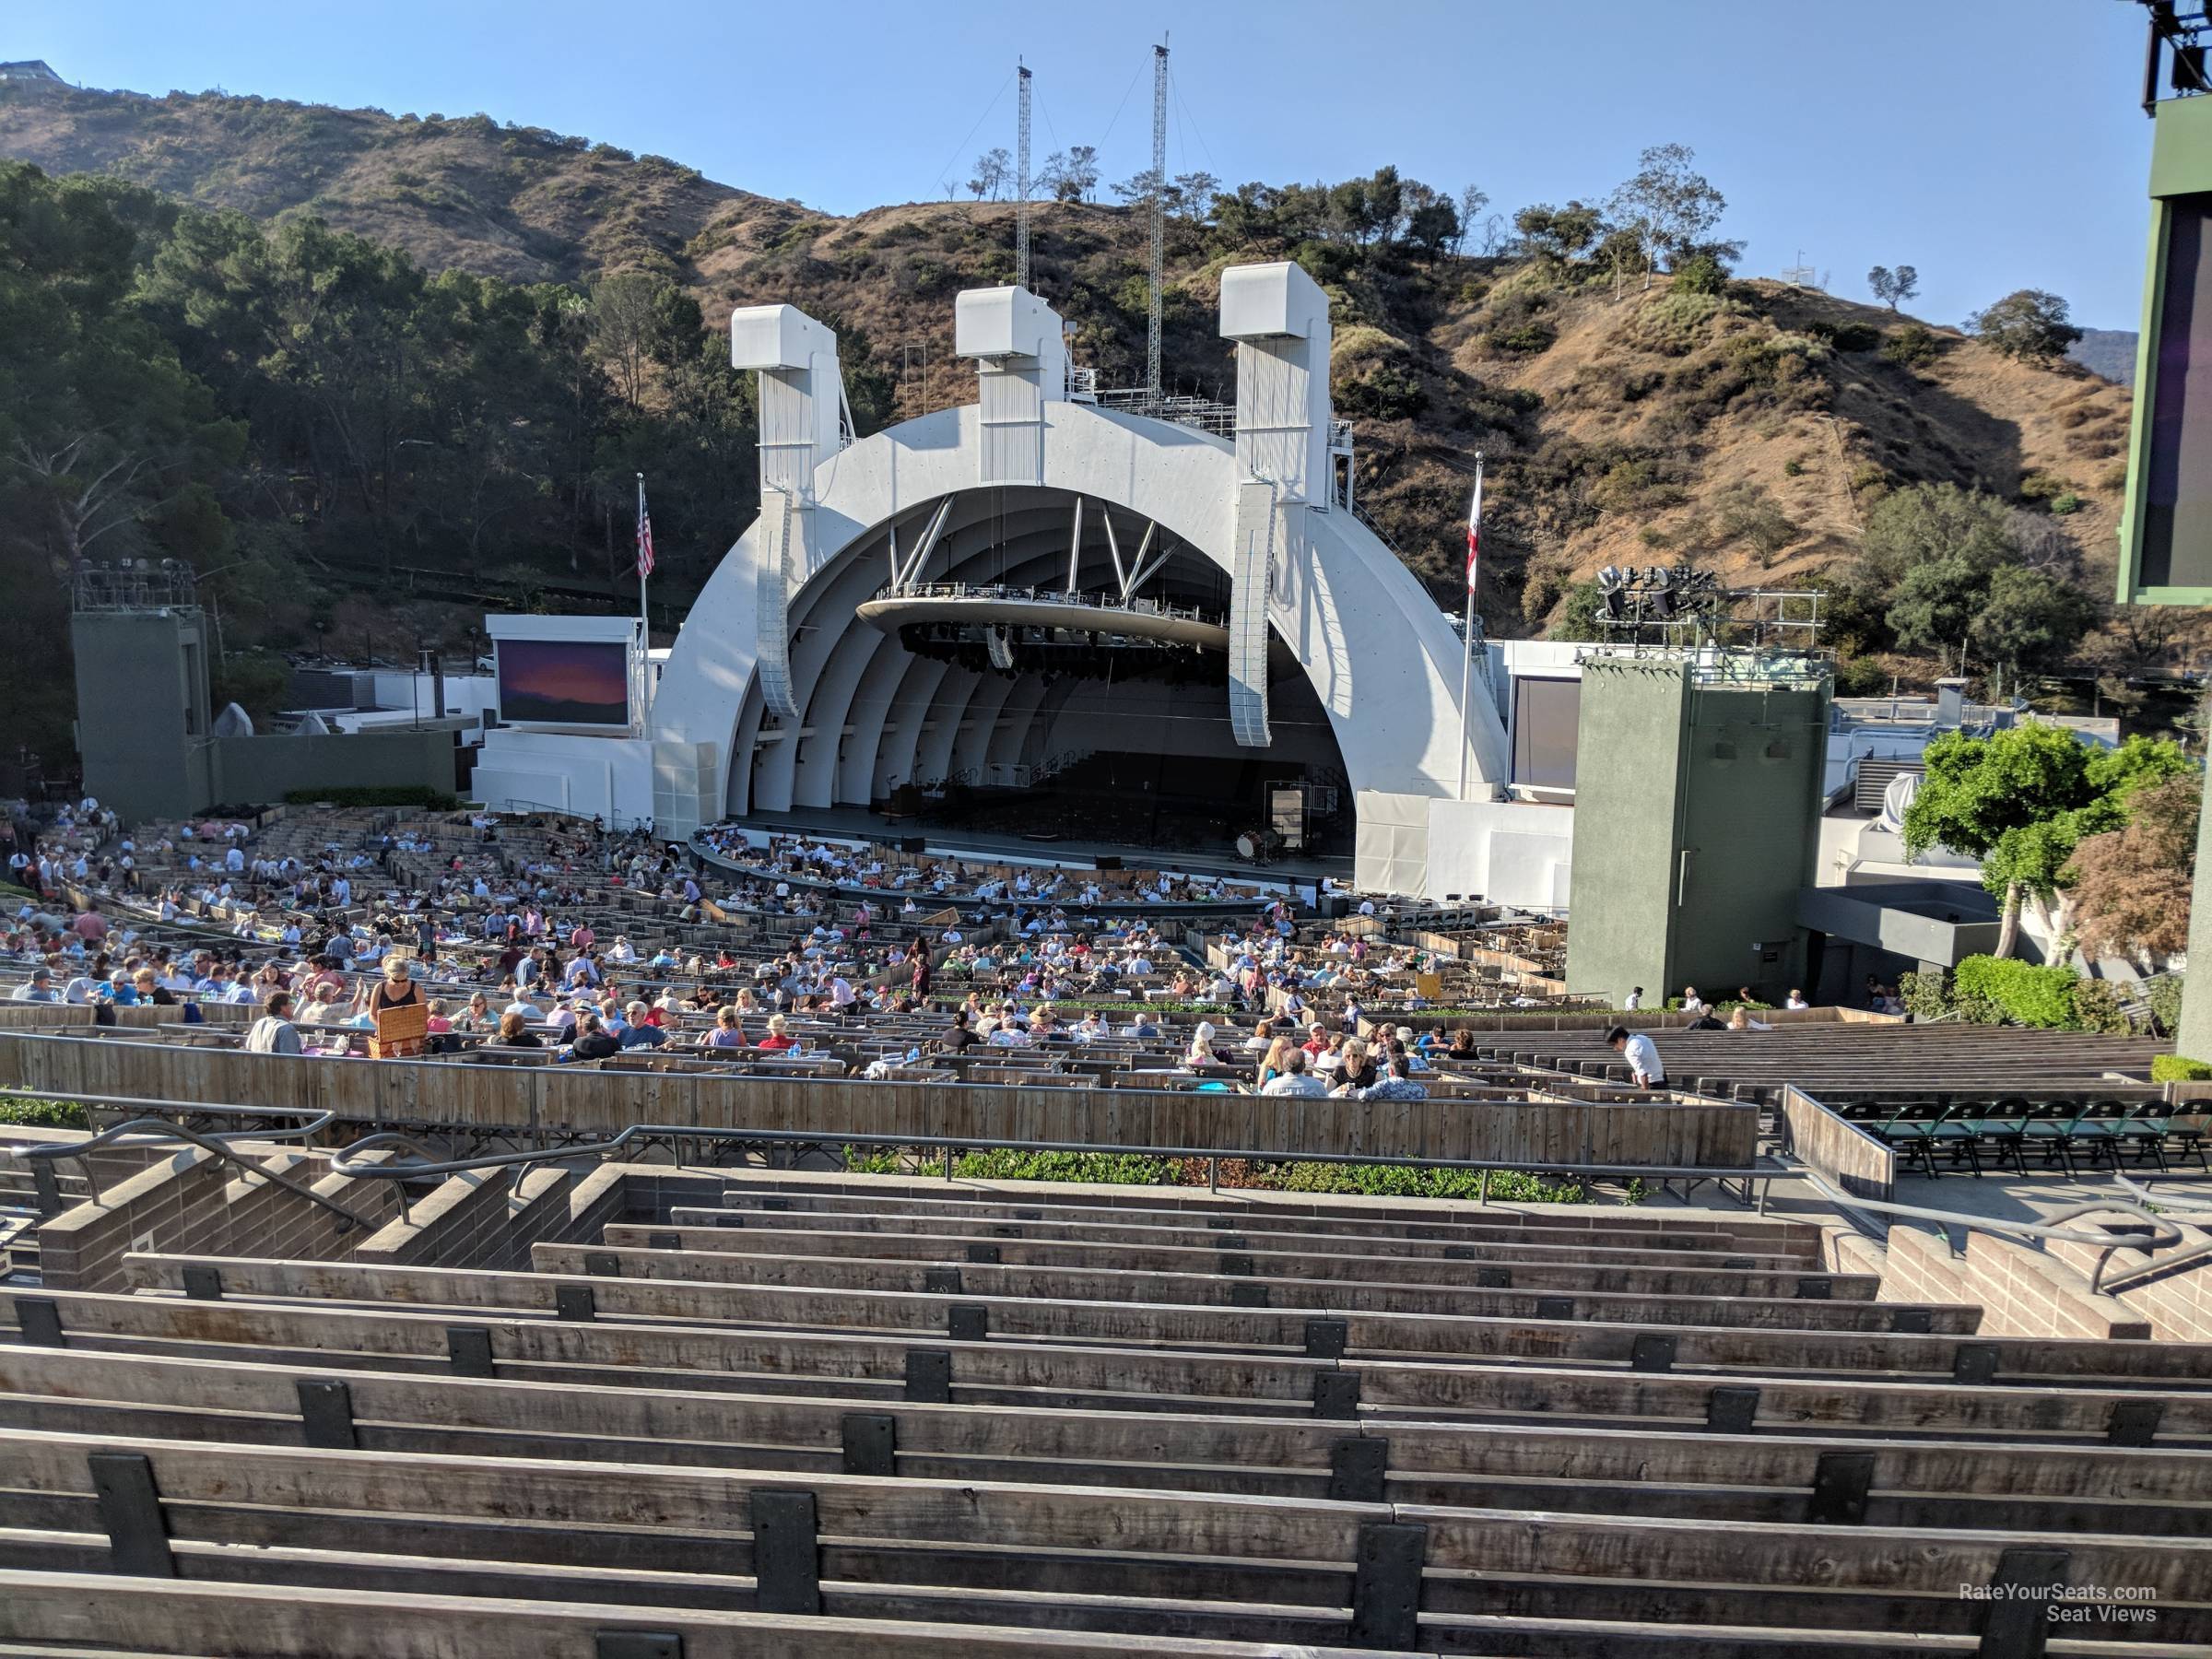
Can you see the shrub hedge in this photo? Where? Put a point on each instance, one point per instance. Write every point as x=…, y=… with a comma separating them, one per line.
x=2021, y=991
x=2179, y=1068
x=2165, y=998
x=1130, y=1169
x=44, y=1114
x=2000, y=991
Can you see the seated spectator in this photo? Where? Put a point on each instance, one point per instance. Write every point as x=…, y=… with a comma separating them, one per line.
x=1357, y=1068
x=1295, y=1078
x=1395, y=1085
x=638, y=1032
x=593, y=1041
x=1741, y=1020
x=274, y=1032
x=38, y=988
x=514, y=1032
x=778, y=1037
x=727, y=1032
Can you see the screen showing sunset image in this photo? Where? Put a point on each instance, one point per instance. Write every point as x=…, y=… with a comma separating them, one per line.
x=564, y=682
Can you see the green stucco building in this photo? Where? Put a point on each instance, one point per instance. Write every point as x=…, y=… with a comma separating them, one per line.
x=1697, y=795
x=2166, y=526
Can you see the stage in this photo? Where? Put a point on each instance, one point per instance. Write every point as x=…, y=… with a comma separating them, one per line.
x=853, y=823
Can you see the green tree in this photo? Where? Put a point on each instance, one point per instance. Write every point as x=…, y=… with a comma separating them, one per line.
x=1929, y=522
x=2020, y=800
x=1558, y=236
x=1936, y=605
x=110, y=446
x=1949, y=571
x=1893, y=287
x=2027, y=323
x=1578, y=614
x=2030, y=619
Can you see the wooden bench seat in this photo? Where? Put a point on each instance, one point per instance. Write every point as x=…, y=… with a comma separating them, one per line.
x=164, y=1617
x=1160, y=1246
x=1765, y=1476
x=1101, y=1376
x=1613, y=1295
x=1021, y=1553
x=1169, y=1246
x=1278, y=1211
x=1316, y=1329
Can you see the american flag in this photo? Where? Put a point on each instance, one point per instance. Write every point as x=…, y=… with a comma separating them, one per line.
x=1475, y=529
x=645, y=536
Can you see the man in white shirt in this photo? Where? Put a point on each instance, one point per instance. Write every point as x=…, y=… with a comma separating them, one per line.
x=1295, y=1078
x=1634, y=1000
x=1797, y=1000
x=1691, y=1002
x=1642, y=1054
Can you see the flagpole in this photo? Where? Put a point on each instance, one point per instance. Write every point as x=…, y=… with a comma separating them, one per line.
x=644, y=613
x=1467, y=664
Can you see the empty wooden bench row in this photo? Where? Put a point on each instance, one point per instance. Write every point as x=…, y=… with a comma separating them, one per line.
x=1231, y=1211
x=1322, y=1571
x=1806, y=1474
x=1454, y=1278
x=1318, y=1328
x=1791, y=1301
x=1091, y=1375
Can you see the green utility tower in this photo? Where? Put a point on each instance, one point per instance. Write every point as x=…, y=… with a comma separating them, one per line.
x=2166, y=527
x=1698, y=781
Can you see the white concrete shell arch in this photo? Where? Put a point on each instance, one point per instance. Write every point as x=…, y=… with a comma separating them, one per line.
x=1383, y=661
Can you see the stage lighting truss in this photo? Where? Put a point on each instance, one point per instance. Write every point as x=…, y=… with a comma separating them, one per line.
x=1662, y=609
x=2179, y=31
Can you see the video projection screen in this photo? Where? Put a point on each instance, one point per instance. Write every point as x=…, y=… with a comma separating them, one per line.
x=2176, y=528
x=1546, y=713
x=564, y=682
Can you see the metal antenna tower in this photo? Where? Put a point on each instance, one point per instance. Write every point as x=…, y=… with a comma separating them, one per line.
x=1159, y=212
x=1021, y=183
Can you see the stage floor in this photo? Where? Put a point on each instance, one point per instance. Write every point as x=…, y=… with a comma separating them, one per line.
x=855, y=823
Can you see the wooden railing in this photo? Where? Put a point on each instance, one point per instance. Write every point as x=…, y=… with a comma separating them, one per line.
x=558, y=1100
x=1851, y=1159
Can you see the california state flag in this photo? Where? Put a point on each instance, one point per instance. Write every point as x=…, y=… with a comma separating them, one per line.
x=1475, y=529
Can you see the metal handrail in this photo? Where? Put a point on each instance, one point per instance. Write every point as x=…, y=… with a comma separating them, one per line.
x=2156, y=1234
x=159, y=1131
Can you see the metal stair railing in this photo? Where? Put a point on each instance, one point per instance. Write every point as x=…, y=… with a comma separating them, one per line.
x=160, y=1132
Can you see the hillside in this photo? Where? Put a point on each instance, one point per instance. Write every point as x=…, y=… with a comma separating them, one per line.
x=1750, y=428
x=466, y=193
x=2108, y=351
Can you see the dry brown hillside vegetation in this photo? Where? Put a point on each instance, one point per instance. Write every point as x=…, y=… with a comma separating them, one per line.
x=1628, y=415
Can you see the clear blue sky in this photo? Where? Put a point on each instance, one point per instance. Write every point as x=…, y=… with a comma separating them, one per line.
x=1993, y=144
